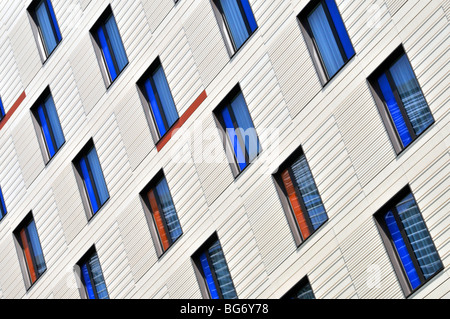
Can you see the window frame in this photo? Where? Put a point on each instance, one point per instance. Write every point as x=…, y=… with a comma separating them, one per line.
x=226, y=142
x=380, y=102
x=224, y=26
x=195, y=259
x=81, y=184
x=79, y=276
x=151, y=119
x=285, y=202
x=2, y=110
x=37, y=30
x=311, y=42
x=299, y=285
x=149, y=215
x=47, y=94
x=3, y=210
x=389, y=245
x=25, y=267
x=101, y=22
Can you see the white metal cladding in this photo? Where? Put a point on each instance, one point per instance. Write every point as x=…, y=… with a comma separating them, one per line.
x=341, y=132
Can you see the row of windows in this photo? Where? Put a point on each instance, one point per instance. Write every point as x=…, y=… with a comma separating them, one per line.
x=396, y=91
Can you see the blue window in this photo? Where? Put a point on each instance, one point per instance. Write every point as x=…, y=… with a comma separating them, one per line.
x=33, y=257
x=47, y=25
x=48, y=120
x=326, y=30
x=239, y=130
x=2, y=205
x=302, y=290
x=93, y=180
x=239, y=20
x=111, y=46
x=92, y=277
x=409, y=240
x=163, y=214
x=159, y=98
x=407, y=111
x=2, y=110
x=215, y=276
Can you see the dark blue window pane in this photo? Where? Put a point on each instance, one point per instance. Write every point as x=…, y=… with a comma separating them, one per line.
x=87, y=281
x=304, y=292
x=97, y=277
x=155, y=108
x=340, y=28
x=46, y=130
x=36, y=247
x=54, y=123
x=411, y=95
x=2, y=205
x=165, y=96
x=106, y=54
x=394, y=110
x=221, y=270
x=88, y=184
x=402, y=251
x=2, y=110
x=418, y=236
x=97, y=174
x=47, y=25
x=235, y=22
x=55, y=23
x=325, y=41
x=238, y=150
x=116, y=43
x=249, y=14
x=208, y=277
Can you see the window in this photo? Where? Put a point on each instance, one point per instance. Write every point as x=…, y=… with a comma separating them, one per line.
x=31, y=256
x=159, y=105
x=2, y=205
x=400, y=100
x=2, y=110
x=408, y=242
x=302, y=290
x=49, y=129
x=239, y=135
x=161, y=214
x=236, y=17
x=91, y=275
x=90, y=178
x=45, y=26
x=212, y=271
x=326, y=37
x=109, y=46
x=299, y=195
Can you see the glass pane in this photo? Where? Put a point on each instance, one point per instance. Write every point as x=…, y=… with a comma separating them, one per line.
x=2, y=205
x=87, y=281
x=411, y=95
x=46, y=131
x=97, y=174
x=340, y=28
x=106, y=54
x=155, y=108
x=2, y=110
x=97, y=277
x=36, y=246
x=88, y=184
x=309, y=192
x=236, y=146
x=221, y=270
x=249, y=14
x=235, y=22
x=54, y=122
x=46, y=27
x=245, y=124
x=402, y=251
x=325, y=40
x=419, y=237
x=394, y=111
x=165, y=96
x=305, y=292
x=116, y=43
x=168, y=210
x=209, y=277
x=55, y=23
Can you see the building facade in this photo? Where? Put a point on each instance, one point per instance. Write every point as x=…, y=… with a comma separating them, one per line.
x=224, y=149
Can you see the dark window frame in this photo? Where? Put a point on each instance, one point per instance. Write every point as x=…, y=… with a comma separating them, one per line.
x=389, y=245
x=284, y=198
x=43, y=50
x=84, y=260
x=311, y=43
x=226, y=142
x=293, y=291
x=148, y=75
x=195, y=259
x=90, y=214
x=380, y=102
x=149, y=215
